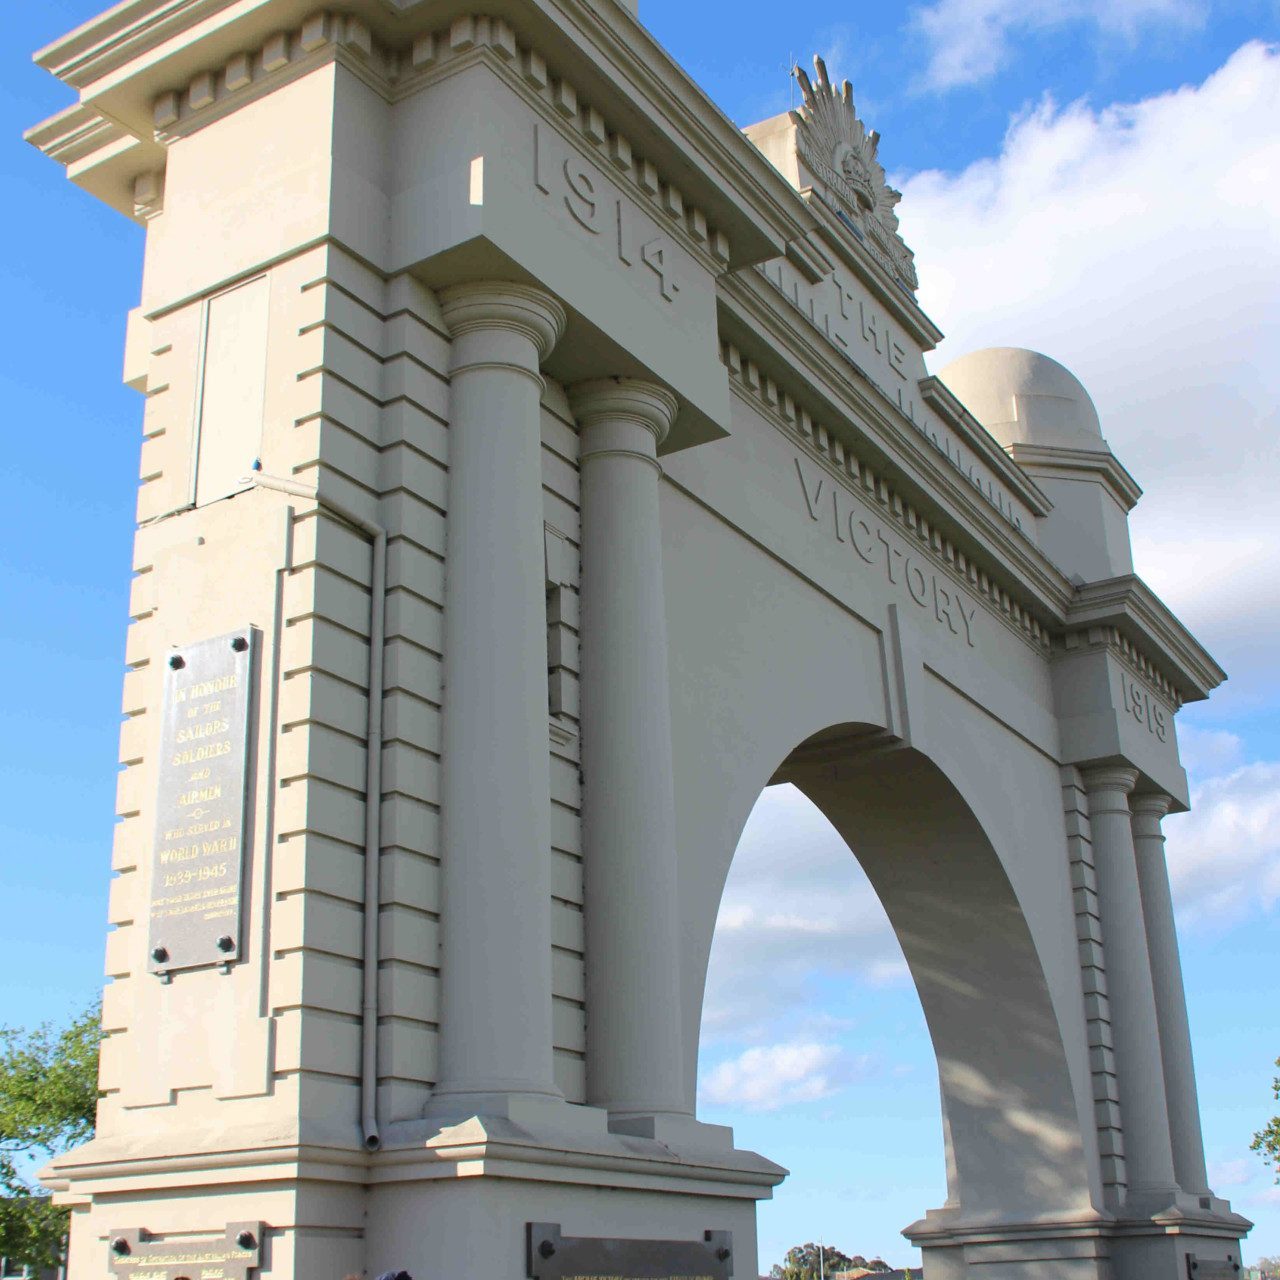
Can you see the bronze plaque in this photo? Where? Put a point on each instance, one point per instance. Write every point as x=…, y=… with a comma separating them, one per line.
x=200, y=804
x=133, y=1255
x=556, y=1257
x=1212, y=1269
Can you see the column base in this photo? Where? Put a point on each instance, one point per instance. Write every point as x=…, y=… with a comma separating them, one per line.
x=1086, y=1246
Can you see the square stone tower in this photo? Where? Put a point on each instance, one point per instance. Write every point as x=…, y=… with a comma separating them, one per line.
x=365, y=227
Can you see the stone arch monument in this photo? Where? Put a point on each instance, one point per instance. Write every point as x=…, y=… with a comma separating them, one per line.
x=534, y=467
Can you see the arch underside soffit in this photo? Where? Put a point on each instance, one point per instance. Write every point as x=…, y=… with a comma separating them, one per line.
x=1011, y=1124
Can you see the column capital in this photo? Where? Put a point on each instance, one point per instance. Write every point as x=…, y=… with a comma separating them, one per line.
x=1150, y=804
x=623, y=400
x=1109, y=777
x=503, y=304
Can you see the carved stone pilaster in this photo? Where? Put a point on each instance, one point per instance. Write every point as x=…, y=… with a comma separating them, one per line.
x=634, y=1050
x=1148, y=1155
x=496, y=1035
x=1171, y=1004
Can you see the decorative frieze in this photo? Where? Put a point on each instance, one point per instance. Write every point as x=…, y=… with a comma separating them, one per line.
x=284, y=49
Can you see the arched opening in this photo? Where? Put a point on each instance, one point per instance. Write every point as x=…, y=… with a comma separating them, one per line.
x=1010, y=1129
x=813, y=1043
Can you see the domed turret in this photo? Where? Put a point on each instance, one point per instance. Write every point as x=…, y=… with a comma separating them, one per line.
x=1022, y=397
x=1041, y=414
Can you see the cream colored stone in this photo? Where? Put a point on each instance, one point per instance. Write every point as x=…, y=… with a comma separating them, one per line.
x=571, y=532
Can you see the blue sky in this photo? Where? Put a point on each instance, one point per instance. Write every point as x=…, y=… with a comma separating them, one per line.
x=1099, y=179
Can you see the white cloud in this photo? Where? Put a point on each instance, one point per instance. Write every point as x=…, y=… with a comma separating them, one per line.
x=797, y=907
x=1224, y=856
x=770, y=1077
x=1232, y=1173
x=968, y=41
x=1206, y=753
x=1140, y=245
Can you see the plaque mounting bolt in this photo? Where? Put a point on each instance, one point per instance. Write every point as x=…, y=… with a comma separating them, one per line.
x=120, y=1246
x=159, y=954
x=226, y=943
x=546, y=1248
x=246, y=1240
x=239, y=644
x=723, y=1254
x=177, y=662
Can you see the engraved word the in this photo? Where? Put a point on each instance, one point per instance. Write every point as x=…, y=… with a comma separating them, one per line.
x=867, y=339
x=874, y=545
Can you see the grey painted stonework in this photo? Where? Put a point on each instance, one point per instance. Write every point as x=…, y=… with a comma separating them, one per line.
x=600, y=482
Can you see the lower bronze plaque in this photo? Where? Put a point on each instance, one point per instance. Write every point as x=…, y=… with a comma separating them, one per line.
x=556, y=1257
x=200, y=804
x=135, y=1256
x=1212, y=1269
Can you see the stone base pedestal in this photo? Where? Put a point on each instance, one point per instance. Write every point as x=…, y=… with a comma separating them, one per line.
x=447, y=1203
x=454, y=1205
x=1087, y=1246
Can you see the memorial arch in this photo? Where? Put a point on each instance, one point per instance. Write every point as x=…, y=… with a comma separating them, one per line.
x=534, y=466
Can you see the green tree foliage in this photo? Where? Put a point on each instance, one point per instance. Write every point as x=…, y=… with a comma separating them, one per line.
x=1266, y=1142
x=48, y=1102
x=804, y=1263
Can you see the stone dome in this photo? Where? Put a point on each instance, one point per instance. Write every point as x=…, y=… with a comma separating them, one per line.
x=1022, y=397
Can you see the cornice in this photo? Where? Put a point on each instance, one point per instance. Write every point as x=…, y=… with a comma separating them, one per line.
x=1138, y=616
x=944, y=403
x=110, y=39
x=860, y=418
x=139, y=51
x=1064, y=462
x=73, y=133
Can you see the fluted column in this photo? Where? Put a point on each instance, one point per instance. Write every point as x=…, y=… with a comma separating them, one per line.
x=1135, y=1028
x=1171, y=1001
x=634, y=1059
x=495, y=977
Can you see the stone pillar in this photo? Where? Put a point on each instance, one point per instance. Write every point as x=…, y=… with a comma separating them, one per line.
x=1171, y=1001
x=495, y=969
x=634, y=1059
x=1139, y=1071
